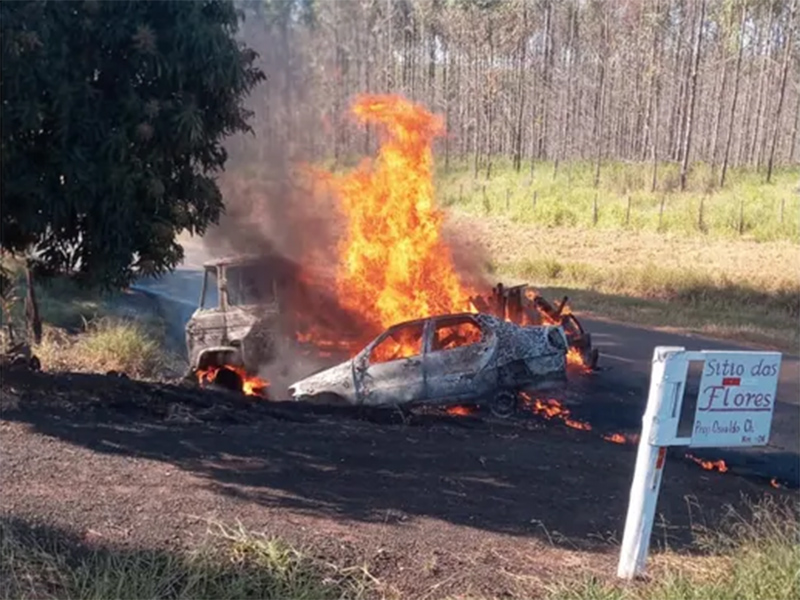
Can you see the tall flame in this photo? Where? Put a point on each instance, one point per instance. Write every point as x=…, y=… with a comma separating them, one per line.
x=393, y=263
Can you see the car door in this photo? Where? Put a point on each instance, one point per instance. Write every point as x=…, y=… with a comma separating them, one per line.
x=458, y=360
x=391, y=370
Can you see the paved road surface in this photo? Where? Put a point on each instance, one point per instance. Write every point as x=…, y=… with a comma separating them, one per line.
x=615, y=396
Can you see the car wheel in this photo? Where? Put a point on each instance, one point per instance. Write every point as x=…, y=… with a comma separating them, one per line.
x=503, y=404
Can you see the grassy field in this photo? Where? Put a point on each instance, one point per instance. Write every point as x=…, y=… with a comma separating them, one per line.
x=737, y=289
x=755, y=558
x=735, y=274
x=745, y=208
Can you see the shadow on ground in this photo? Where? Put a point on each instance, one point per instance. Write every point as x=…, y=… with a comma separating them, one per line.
x=42, y=561
x=524, y=478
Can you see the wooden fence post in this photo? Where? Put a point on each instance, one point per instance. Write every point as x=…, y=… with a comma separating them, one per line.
x=594, y=211
x=741, y=216
x=628, y=212
x=508, y=199
x=700, y=225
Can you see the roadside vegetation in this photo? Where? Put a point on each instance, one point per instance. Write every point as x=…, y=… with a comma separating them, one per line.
x=757, y=558
x=231, y=564
x=87, y=330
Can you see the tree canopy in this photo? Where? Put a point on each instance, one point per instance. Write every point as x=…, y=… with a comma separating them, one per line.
x=113, y=120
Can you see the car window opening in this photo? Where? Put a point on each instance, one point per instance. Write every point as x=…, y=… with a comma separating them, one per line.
x=403, y=342
x=246, y=286
x=450, y=335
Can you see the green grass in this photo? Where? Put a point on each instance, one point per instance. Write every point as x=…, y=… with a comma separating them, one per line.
x=755, y=559
x=231, y=564
x=745, y=207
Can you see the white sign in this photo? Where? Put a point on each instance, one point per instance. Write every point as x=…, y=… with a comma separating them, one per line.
x=736, y=400
x=734, y=408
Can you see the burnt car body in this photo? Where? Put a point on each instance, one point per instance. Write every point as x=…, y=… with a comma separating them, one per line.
x=236, y=323
x=523, y=305
x=446, y=359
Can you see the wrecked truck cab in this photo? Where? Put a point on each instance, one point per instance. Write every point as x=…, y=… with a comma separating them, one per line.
x=235, y=326
x=443, y=360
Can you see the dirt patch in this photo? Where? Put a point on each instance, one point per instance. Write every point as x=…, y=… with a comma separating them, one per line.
x=432, y=504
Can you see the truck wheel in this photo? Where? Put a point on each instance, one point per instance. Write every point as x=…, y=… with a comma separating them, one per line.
x=228, y=380
x=503, y=404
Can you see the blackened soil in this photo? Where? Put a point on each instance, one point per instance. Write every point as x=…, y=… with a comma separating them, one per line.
x=434, y=504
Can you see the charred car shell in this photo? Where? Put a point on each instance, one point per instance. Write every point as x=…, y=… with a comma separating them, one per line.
x=443, y=360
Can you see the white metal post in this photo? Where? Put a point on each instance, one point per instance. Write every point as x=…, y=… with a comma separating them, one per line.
x=647, y=475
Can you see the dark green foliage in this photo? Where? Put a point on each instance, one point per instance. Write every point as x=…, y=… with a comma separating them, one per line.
x=113, y=118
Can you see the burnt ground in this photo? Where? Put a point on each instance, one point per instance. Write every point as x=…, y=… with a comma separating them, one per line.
x=433, y=504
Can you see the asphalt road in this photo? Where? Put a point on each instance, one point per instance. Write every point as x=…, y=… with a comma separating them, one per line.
x=626, y=354
x=613, y=398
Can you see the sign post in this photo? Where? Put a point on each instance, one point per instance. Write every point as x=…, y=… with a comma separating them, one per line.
x=734, y=408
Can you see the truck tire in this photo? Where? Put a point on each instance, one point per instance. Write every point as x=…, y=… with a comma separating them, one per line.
x=228, y=380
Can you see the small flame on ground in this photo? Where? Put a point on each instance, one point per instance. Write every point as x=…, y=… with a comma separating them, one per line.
x=460, y=411
x=709, y=465
x=550, y=408
x=774, y=483
x=251, y=384
x=621, y=438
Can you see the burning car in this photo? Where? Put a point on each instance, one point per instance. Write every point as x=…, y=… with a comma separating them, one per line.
x=446, y=359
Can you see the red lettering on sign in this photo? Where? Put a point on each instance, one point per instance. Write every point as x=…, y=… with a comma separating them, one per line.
x=662, y=454
x=726, y=381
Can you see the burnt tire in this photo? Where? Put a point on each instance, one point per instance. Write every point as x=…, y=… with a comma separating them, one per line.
x=503, y=404
x=228, y=380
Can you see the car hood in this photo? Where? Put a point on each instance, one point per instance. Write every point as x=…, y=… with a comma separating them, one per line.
x=335, y=380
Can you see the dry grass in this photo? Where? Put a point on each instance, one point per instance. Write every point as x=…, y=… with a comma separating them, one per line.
x=756, y=557
x=733, y=288
x=107, y=344
x=85, y=330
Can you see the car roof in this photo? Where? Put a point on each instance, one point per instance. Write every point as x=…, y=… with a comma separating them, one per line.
x=439, y=316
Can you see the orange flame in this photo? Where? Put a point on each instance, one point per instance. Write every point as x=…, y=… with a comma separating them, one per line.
x=553, y=408
x=460, y=411
x=393, y=263
x=709, y=465
x=621, y=438
x=251, y=385
x=575, y=359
